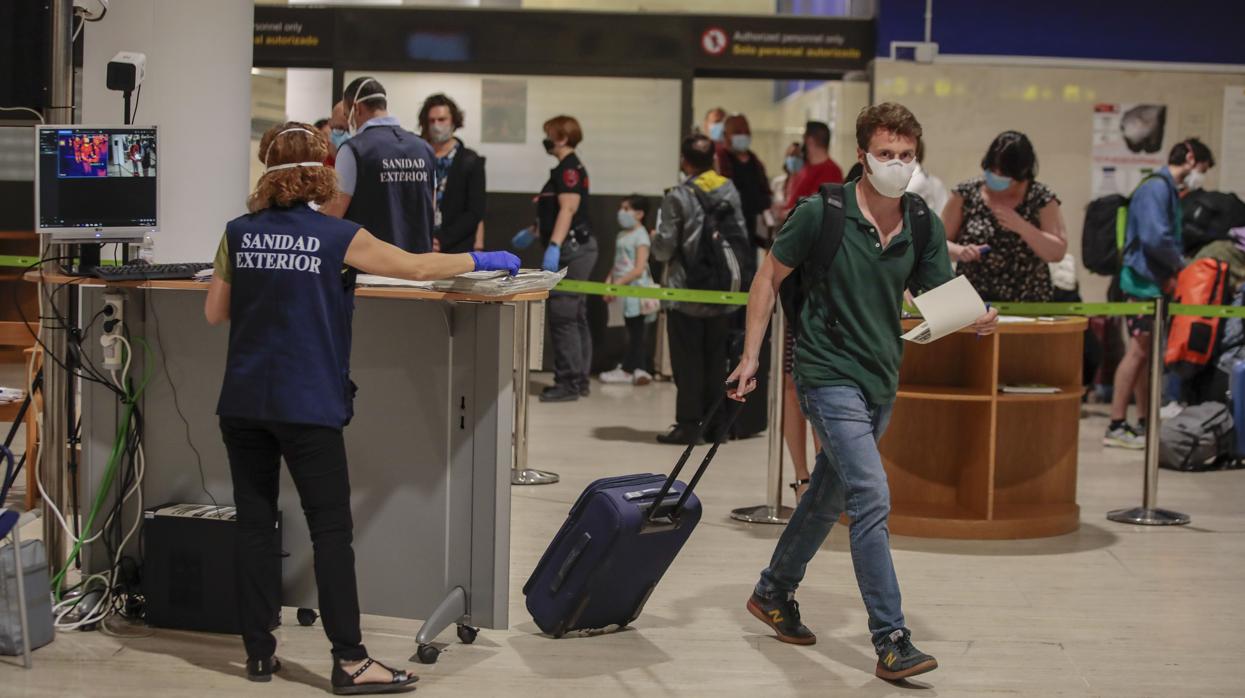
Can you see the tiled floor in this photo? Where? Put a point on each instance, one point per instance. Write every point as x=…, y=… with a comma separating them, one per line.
x=1108, y=610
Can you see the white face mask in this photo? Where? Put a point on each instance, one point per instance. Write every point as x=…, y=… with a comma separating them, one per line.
x=440, y=133
x=271, y=168
x=1194, y=180
x=889, y=178
x=351, y=125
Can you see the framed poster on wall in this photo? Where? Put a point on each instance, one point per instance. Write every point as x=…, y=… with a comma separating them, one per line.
x=1129, y=143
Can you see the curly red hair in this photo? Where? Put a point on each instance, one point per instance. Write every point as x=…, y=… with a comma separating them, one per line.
x=293, y=185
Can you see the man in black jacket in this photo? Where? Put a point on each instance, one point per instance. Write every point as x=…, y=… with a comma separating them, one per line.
x=460, y=177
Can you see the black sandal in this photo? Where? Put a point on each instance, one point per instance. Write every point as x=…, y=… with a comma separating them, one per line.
x=796, y=485
x=261, y=670
x=344, y=684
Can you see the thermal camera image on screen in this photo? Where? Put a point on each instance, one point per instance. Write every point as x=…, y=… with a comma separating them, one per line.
x=106, y=155
x=83, y=155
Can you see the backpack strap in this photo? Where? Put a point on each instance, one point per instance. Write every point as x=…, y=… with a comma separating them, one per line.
x=833, y=219
x=922, y=230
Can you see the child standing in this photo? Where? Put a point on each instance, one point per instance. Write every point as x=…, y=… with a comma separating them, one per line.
x=631, y=269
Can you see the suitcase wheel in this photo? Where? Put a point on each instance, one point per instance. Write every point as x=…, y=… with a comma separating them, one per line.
x=306, y=617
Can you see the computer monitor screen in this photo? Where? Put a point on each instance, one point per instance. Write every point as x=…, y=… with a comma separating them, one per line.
x=96, y=182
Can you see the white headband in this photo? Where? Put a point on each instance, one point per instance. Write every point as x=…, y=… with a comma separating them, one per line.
x=288, y=165
x=282, y=133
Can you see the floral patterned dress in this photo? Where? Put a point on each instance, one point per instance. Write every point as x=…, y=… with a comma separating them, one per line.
x=1011, y=270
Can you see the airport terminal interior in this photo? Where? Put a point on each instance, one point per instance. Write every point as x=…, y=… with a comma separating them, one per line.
x=622, y=347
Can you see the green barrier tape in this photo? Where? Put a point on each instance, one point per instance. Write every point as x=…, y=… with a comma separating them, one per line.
x=1085, y=309
x=681, y=295
x=1218, y=311
x=17, y=261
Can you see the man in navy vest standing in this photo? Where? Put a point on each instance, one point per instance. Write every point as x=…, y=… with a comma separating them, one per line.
x=384, y=172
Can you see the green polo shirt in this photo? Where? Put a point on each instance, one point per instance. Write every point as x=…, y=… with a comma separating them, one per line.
x=849, y=327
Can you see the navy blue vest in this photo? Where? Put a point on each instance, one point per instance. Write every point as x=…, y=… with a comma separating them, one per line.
x=394, y=190
x=291, y=305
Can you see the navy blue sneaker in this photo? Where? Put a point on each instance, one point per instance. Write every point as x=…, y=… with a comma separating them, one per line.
x=899, y=659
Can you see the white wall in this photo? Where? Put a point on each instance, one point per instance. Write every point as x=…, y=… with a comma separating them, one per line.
x=631, y=127
x=197, y=91
x=308, y=94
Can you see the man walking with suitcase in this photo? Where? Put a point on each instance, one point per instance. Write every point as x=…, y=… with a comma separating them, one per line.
x=847, y=371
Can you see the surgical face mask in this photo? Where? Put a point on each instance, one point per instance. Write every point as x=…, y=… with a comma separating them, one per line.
x=354, y=102
x=794, y=163
x=626, y=219
x=740, y=142
x=549, y=145
x=717, y=131
x=339, y=136
x=997, y=182
x=440, y=133
x=1194, y=180
x=889, y=178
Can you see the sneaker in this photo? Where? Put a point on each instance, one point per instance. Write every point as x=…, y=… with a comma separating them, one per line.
x=681, y=434
x=1124, y=437
x=616, y=376
x=898, y=659
x=586, y=389
x=559, y=393
x=782, y=615
x=641, y=377
x=1171, y=410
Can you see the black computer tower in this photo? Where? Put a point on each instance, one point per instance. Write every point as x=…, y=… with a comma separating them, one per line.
x=188, y=577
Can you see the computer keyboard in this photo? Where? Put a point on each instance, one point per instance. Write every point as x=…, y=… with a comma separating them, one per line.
x=144, y=272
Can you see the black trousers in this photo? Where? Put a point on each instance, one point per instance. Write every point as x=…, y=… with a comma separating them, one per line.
x=568, y=319
x=316, y=457
x=637, y=344
x=698, y=359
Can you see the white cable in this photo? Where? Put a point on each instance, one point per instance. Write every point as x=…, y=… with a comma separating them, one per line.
x=32, y=111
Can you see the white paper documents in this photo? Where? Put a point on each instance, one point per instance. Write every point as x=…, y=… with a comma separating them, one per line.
x=949, y=308
x=480, y=283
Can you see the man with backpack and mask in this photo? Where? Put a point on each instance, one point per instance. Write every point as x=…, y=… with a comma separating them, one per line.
x=1153, y=257
x=701, y=235
x=847, y=256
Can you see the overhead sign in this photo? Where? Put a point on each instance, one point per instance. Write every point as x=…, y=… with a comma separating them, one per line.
x=540, y=42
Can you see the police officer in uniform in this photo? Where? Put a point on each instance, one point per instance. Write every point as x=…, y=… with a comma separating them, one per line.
x=562, y=220
x=385, y=173
x=281, y=280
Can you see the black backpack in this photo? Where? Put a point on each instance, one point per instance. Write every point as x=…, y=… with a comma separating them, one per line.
x=1102, y=235
x=722, y=259
x=1208, y=216
x=799, y=283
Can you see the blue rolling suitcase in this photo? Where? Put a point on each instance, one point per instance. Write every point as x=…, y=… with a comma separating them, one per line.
x=1236, y=388
x=617, y=542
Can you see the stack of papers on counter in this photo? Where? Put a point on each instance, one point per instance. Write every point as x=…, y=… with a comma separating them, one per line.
x=480, y=283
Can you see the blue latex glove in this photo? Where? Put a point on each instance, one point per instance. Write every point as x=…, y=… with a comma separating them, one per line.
x=523, y=239
x=496, y=261
x=553, y=254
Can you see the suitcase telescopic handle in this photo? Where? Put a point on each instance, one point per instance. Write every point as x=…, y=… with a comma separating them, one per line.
x=687, y=453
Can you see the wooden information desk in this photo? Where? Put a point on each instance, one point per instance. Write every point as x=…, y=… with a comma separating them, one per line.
x=965, y=460
x=430, y=446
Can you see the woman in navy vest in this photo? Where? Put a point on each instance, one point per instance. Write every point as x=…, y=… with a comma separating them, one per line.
x=284, y=279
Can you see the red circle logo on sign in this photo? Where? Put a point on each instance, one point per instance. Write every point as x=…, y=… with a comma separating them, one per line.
x=714, y=41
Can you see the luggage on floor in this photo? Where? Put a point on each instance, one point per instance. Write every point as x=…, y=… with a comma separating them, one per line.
x=1237, y=392
x=617, y=542
x=1197, y=438
x=34, y=571
x=1191, y=340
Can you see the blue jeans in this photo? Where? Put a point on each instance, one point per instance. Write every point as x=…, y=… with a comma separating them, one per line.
x=848, y=477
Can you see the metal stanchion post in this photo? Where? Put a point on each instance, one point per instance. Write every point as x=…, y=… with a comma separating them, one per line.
x=1148, y=514
x=520, y=474
x=772, y=512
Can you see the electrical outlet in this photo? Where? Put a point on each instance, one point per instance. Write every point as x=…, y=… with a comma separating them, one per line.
x=114, y=313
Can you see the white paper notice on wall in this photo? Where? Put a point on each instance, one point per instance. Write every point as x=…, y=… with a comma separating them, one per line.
x=949, y=308
x=1232, y=159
